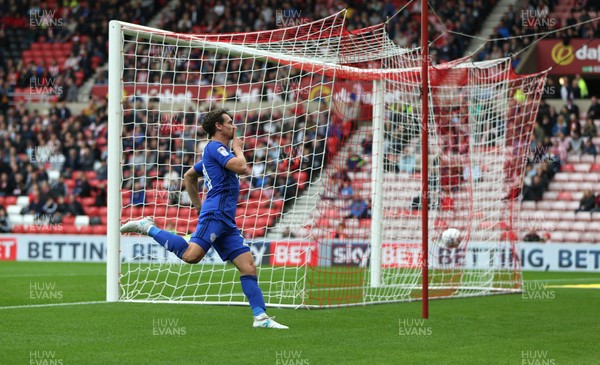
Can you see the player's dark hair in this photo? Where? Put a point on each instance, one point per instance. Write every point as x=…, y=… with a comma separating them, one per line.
x=210, y=119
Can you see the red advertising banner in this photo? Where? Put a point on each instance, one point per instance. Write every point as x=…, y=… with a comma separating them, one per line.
x=8, y=249
x=401, y=255
x=290, y=253
x=580, y=56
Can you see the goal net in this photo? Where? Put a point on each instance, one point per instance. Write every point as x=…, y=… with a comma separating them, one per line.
x=330, y=204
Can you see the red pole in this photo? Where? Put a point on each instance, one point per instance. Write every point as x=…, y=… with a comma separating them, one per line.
x=425, y=154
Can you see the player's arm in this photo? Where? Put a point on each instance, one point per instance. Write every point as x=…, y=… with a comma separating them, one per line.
x=238, y=163
x=190, y=179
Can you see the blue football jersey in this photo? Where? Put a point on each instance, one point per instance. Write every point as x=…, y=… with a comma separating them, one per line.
x=223, y=185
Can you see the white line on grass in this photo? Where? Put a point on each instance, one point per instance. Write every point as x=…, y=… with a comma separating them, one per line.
x=49, y=305
x=563, y=280
x=45, y=274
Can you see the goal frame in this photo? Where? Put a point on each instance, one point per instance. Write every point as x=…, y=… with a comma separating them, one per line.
x=115, y=118
x=114, y=197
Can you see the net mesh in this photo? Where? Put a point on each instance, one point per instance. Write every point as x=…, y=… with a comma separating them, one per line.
x=303, y=99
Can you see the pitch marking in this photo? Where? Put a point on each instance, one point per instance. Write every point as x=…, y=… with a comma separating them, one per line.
x=576, y=286
x=49, y=305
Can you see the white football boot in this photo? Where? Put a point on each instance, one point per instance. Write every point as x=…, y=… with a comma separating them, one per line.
x=264, y=321
x=141, y=226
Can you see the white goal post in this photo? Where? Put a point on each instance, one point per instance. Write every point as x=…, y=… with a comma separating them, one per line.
x=331, y=203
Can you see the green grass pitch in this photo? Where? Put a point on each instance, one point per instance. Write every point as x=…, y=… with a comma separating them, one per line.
x=549, y=324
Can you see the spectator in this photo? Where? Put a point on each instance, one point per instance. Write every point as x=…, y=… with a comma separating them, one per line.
x=575, y=89
x=535, y=191
x=139, y=194
x=550, y=91
x=19, y=186
x=6, y=185
x=82, y=188
x=532, y=236
x=594, y=109
x=565, y=90
x=589, y=129
x=574, y=124
x=582, y=86
x=346, y=190
x=572, y=108
x=59, y=188
x=544, y=179
x=359, y=208
x=5, y=226
x=589, y=148
x=288, y=233
x=86, y=159
x=71, y=163
x=355, y=163
x=367, y=144
x=587, y=202
x=408, y=161
x=69, y=206
x=561, y=147
x=560, y=127
x=576, y=143
x=100, y=192
x=340, y=230
x=50, y=207
x=102, y=171
x=35, y=202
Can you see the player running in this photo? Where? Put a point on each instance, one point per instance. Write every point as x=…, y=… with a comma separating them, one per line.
x=216, y=223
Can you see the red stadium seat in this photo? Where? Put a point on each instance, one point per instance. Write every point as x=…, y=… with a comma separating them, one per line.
x=10, y=200
x=91, y=210
x=160, y=211
x=86, y=230
x=564, y=195
x=99, y=230
x=91, y=175
x=68, y=219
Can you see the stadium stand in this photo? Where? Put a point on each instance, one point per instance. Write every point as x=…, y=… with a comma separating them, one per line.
x=52, y=165
x=533, y=17
x=57, y=45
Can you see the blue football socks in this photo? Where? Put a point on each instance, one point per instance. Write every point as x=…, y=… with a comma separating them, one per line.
x=168, y=240
x=253, y=293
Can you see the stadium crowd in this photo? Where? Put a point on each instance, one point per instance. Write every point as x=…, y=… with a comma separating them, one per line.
x=82, y=26
x=520, y=27
x=58, y=159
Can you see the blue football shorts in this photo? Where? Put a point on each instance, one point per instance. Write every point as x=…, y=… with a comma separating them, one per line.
x=213, y=230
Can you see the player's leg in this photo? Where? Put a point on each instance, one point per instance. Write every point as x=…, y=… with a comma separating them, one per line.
x=191, y=253
x=245, y=264
x=232, y=247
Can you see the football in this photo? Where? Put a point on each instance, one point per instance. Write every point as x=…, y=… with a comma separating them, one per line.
x=451, y=238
